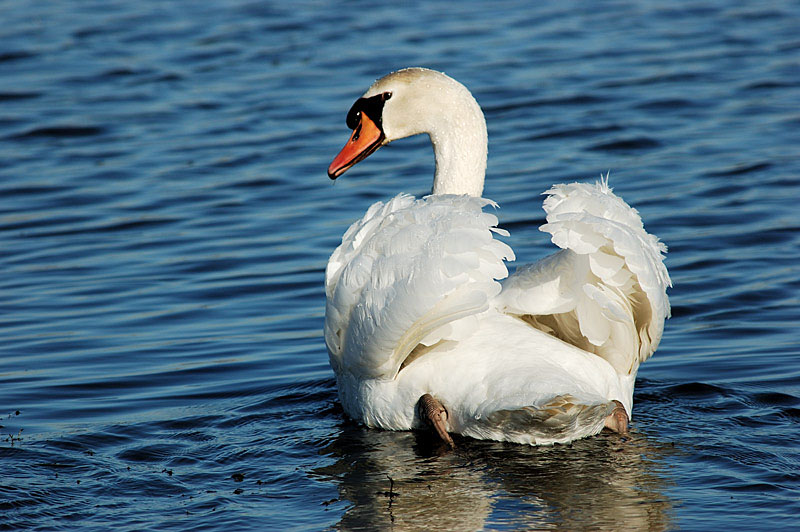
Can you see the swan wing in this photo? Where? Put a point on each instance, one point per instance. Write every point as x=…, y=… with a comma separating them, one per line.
x=410, y=273
x=605, y=291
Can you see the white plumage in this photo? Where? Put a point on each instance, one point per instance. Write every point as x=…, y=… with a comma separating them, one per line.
x=419, y=300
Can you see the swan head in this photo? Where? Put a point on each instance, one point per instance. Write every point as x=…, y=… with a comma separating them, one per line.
x=412, y=101
x=365, y=118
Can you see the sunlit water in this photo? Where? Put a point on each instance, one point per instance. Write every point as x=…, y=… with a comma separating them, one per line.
x=165, y=220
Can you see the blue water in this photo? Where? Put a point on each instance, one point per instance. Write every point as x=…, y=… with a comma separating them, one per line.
x=165, y=221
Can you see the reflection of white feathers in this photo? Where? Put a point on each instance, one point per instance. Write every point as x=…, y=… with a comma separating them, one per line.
x=418, y=299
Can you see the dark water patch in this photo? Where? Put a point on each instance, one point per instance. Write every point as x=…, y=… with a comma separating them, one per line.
x=752, y=15
x=76, y=200
x=94, y=30
x=6, y=96
x=223, y=391
x=187, y=425
x=271, y=395
x=582, y=132
x=680, y=311
x=706, y=218
x=100, y=157
x=576, y=100
x=790, y=414
x=217, y=52
x=775, y=418
x=150, y=453
x=225, y=291
x=16, y=498
x=758, y=488
x=28, y=226
x=235, y=144
x=8, y=57
x=701, y=264
x=763, y=237
x=240, y=421
x=696, y=390
x=768, y=85
x=157, y=77
x=668, y=104
x=118, y=227
x=202, y=105
x=235, y=162
x=660, y=79
x=32, y=189
x=264, y=183
x=736, y=459
x=726, y=189
x=64, y=131
x=627, y=145
x=790, y=46
x=740, y=169
x=122, y=72
x=300, y=398
x=775, y=399
x=208, y=265
x=105, y=76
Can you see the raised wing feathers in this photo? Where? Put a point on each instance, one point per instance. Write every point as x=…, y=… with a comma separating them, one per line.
x=410, y=272
x=605, y=292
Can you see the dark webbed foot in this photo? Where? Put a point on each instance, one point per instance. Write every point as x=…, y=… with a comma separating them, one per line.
x=432, y=412
x=618, y=419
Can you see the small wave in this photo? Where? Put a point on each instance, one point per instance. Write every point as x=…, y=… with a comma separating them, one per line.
x=576, y=100
x=14, y=96
x=633, y=144
x=15, y=56
x=668, y=104
x=739, y=169
x=65, y=131
x=574, y=132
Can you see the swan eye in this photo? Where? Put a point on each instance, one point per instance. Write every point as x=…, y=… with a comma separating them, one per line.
x=372, y=107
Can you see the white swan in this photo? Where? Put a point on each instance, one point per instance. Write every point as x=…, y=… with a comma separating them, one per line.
x=419, y=328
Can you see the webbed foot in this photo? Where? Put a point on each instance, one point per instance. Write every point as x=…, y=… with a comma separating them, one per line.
x=432, y=412
x=618, y=419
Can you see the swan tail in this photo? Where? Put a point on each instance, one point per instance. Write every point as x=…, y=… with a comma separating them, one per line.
x=560, y=420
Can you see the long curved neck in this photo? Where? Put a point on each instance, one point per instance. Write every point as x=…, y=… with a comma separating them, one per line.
x=460, y=145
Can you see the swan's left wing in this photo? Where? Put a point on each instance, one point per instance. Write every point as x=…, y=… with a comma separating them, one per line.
x=605, y=291
x=410, y=273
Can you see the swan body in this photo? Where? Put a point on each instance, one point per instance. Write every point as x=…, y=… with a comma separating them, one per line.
x=419, y=301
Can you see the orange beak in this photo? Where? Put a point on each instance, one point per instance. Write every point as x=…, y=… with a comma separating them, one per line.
x=366, y=138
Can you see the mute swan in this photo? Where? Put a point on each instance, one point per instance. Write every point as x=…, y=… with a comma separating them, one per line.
x=418, y=326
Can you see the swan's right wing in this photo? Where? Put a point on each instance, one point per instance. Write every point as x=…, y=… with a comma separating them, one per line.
x=409, y=273
x=605, y=291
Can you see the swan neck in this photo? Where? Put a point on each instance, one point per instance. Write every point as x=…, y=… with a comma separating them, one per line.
x=460, y=162
x=460, y=147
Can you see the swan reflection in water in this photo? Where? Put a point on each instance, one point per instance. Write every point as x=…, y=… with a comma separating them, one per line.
x=408, y=481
